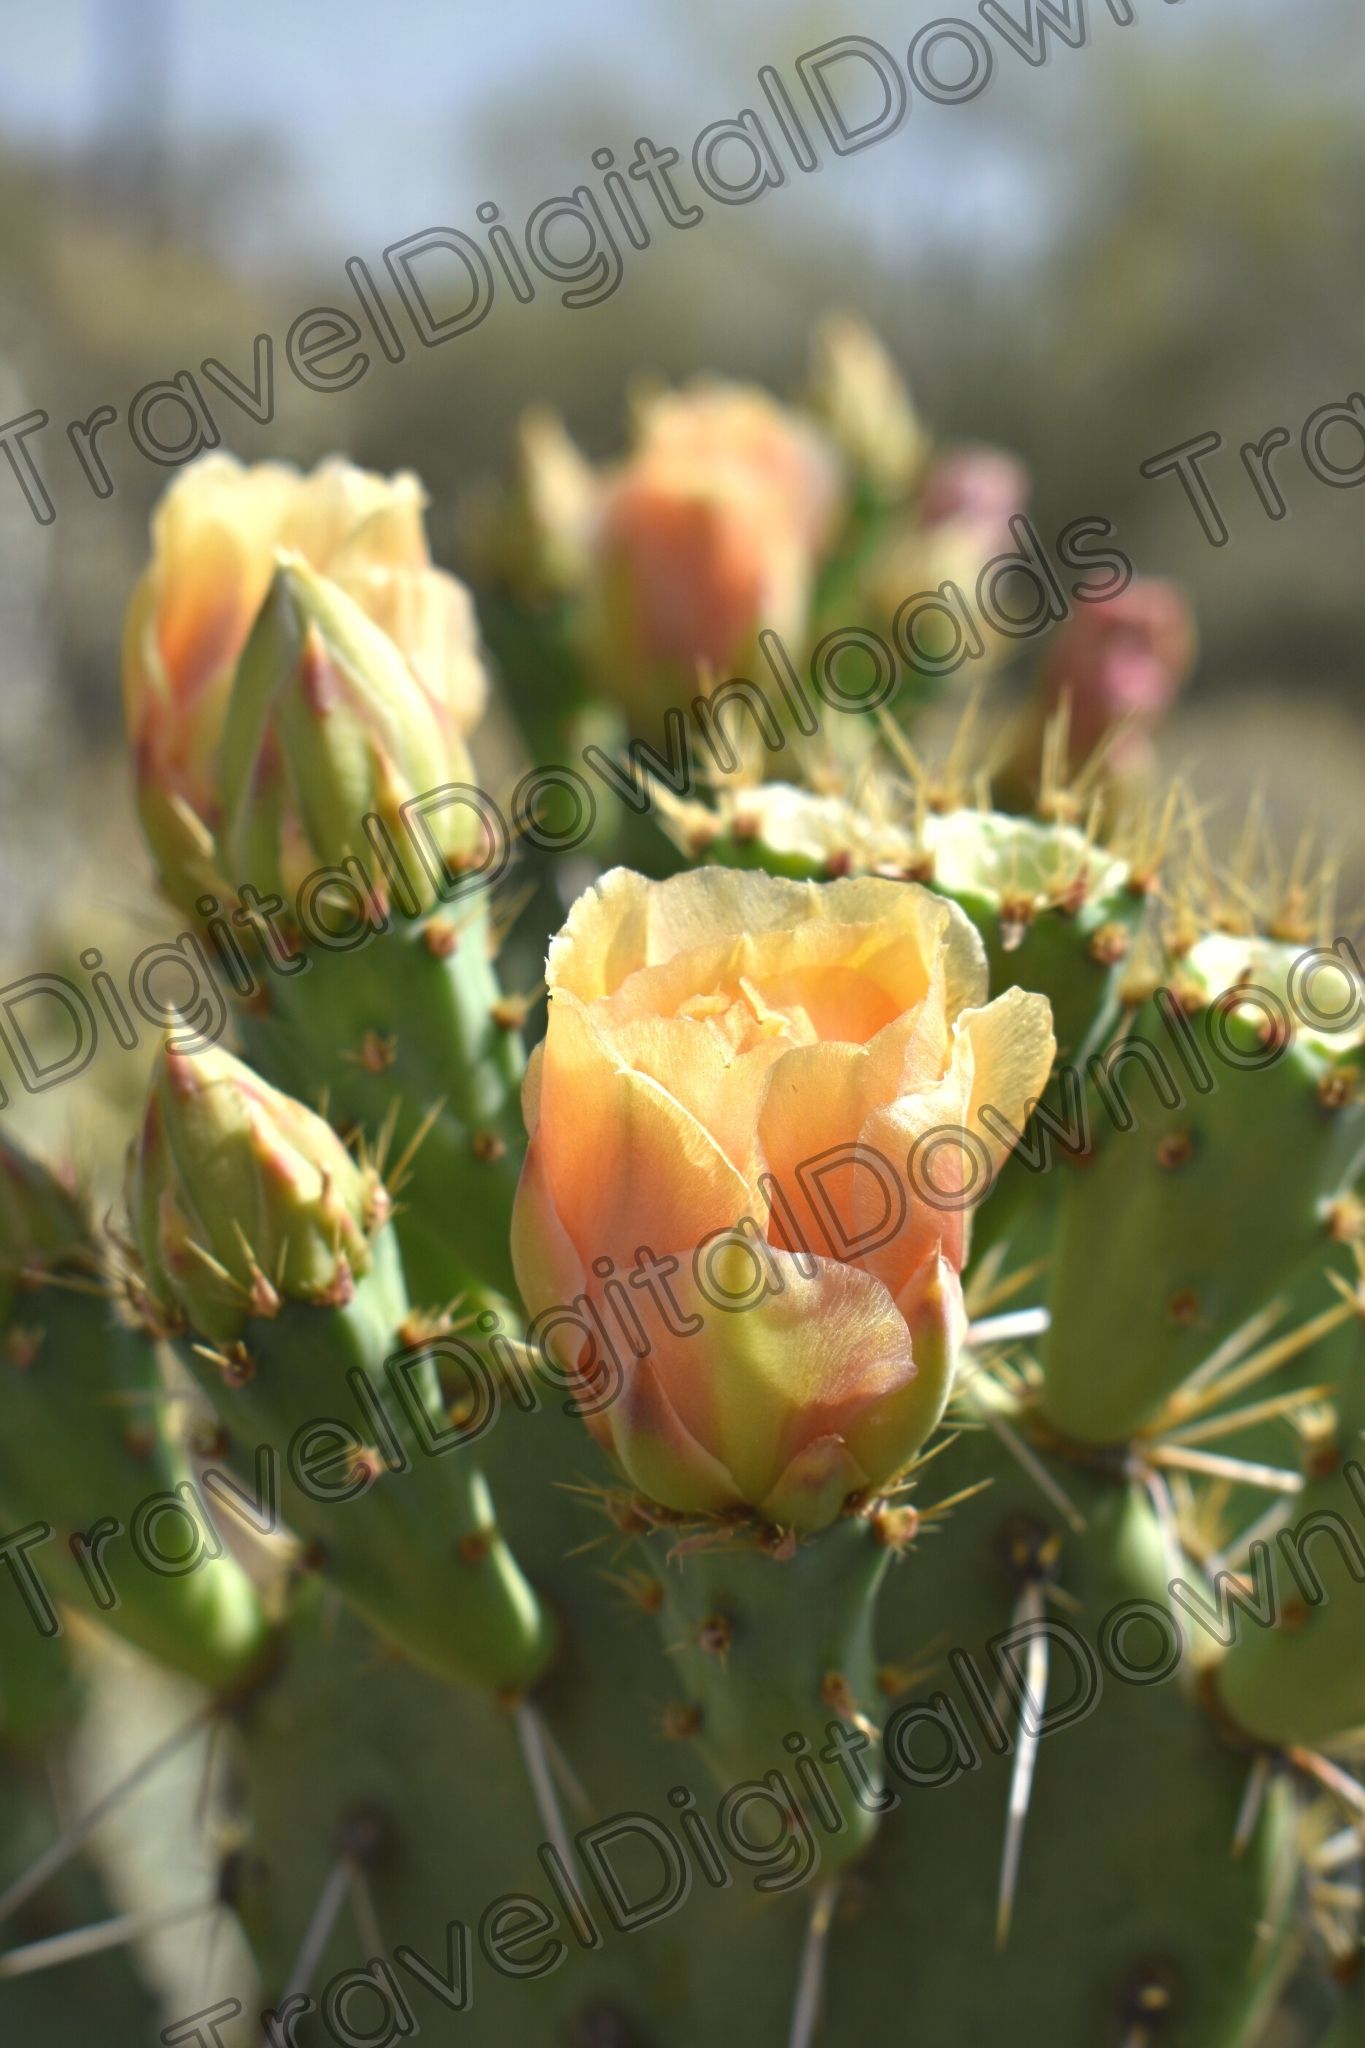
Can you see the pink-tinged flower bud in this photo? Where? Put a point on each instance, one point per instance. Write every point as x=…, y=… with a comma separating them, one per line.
x=711, y=532
x=860, y=398
x=243, y=1199
x=960, y=523
x=978, y=487
x=215, y=539
x=1122, y=662
x=756, y=1141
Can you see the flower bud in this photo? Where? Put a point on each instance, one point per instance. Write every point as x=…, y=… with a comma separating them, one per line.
x=741, y=1080
x=541, y=541
x=859, y=396
x=739, y=429
x=980, y=488
x=711, y=532
x=961, y=522
x=1122, y=662
x=328, y=725
x=243, y=1199
x=215, y=536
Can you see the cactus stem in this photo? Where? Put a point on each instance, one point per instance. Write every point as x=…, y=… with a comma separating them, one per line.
x=1029, y=1613
x=91, y=1941
x=810, y=1976
x=59, y=1853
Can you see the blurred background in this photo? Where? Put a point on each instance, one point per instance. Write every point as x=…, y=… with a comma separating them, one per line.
x=1155, y=235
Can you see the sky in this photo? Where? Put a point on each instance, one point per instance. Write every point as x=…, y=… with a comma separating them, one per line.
x=383, y=112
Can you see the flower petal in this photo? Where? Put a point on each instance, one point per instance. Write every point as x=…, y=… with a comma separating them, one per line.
x=1012, y=1047
x=626, y=1165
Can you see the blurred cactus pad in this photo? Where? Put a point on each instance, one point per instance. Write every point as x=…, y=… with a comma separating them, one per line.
x=798, y=1481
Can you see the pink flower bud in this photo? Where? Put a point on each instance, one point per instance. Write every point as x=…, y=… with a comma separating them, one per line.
x=978, y=487
x=1123, y=661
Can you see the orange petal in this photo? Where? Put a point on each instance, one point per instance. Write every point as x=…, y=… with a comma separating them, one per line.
x=548, y=1269
x=625, y=1163
x=818, y=1100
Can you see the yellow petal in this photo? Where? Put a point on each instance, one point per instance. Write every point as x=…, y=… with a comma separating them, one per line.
x=1012, y=1049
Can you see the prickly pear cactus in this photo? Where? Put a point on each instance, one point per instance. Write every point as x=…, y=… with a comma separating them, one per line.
x=659, y=1565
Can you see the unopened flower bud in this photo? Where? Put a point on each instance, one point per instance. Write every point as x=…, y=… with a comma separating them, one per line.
x=713, y=531
x=1121, y=663
x=861, y=399
x=543, y=529
x=961, y=522
x=981, y=488
x=328, y=726
x=215, y=538
x=244, y=1199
